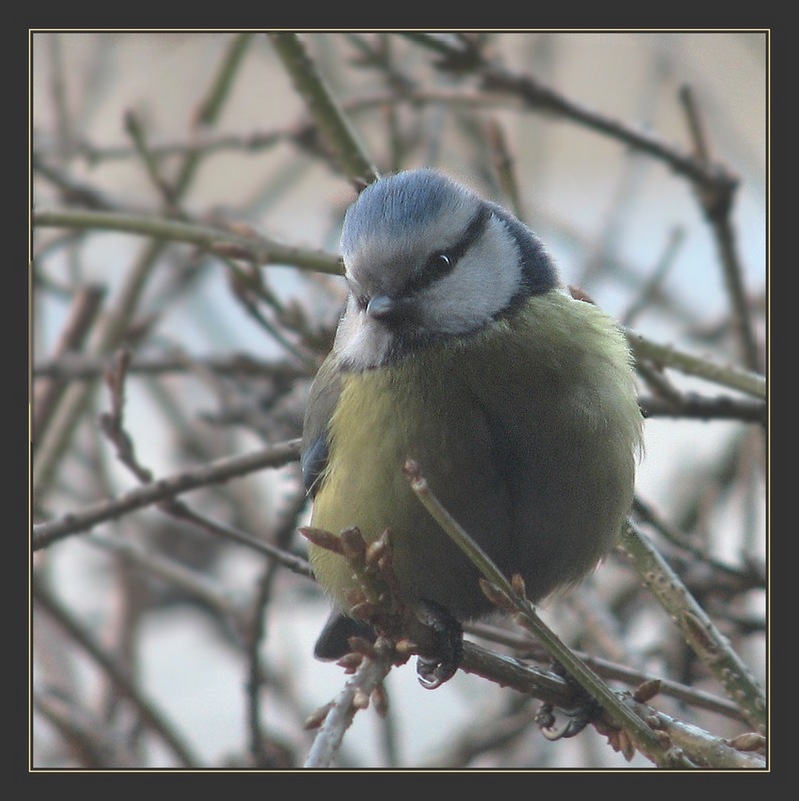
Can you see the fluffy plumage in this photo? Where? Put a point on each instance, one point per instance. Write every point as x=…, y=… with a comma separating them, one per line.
x=460, y=349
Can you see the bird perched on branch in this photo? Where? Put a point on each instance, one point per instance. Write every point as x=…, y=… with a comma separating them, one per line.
x=460, y=348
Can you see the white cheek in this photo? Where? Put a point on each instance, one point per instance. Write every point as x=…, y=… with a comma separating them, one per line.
x=481, y=285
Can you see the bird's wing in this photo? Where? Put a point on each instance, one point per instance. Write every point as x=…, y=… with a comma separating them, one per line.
x=322, y=402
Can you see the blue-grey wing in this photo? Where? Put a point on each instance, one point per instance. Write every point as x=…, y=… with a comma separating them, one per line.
x=322, y=402
x=313, y=462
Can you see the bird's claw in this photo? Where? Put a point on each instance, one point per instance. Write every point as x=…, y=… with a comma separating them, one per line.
x=448, y=636
x=433, y=673
x=577, y=719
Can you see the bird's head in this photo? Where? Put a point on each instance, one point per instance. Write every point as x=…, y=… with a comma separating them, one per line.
x=428, y=259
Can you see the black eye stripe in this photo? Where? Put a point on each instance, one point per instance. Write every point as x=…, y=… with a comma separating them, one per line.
x=471, y=234
x=437, y=267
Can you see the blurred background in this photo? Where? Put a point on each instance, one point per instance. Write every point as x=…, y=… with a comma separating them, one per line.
x=161, y=640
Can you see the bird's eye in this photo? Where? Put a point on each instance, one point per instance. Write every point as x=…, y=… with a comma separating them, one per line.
x=438, y=265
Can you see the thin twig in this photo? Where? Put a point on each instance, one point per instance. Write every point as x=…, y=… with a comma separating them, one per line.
x=255, y=248
x=610, y=670
x=333, y=124
x=695, y=406
x=84, y=310
x=622, y=716
x=164, y=489
x=149, y=714
x=458, y=55
x=81, y=366
x=718, y=209
x=357, y=692
x=667, y=356
x=708, y=642
x=117, y=323
x=233, y=607
x=137, y=132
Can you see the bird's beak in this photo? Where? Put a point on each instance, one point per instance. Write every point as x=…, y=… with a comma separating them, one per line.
x=382, y=307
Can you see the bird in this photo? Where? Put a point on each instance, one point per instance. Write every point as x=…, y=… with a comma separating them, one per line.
x=461, y=348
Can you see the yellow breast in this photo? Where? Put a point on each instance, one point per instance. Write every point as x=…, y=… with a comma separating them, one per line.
x=526, y=432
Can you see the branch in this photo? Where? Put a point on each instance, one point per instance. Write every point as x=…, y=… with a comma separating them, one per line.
x=84, y=311
x=147, y=711
x=675, y=743
x=116, y=323
x=603, y=667
x=667, y=356
x=691, y=405
x=196, y=584
x=79, y=366
x=311, y=86
x=299, y=133
x=462, y=55
x=710, y=645
x=512, y=598
x=257, y=249
x=717, y=207
x=365, y=684
x=164, y=489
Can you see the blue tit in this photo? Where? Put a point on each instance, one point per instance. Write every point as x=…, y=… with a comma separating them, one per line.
x=460, y=348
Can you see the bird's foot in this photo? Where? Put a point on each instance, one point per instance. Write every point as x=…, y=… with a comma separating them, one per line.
x=578, y=716
x=448, y=645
